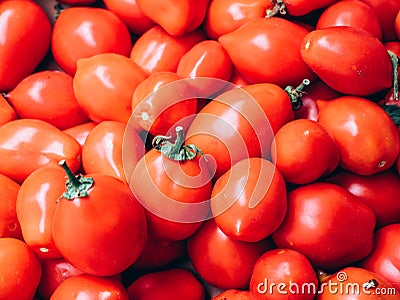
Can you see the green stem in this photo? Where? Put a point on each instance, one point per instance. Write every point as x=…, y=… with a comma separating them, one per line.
x=58, y=8
x=296, y=94
x=76, y=186
x=395, y=64
x=279, y=7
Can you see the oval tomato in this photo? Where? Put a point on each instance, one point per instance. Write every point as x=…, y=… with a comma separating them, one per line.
x=81, y=32
x=7, y=113
x=9, y=224
x=26, y=32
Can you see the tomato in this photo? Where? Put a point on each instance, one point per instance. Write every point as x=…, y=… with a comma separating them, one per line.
x=361, y=70
x=9, y=223
x=77, y=2
x=397, y=24
x=171, y=284
x=117, y=229
x=175, y=16
x=26, y=32
x=27, y=144
x=47, y=96
x=298, y=7
x=156, y=50
x=81, y=32
x=283, y=268
x=233, y=294
x=304, y=151
x=263, y=40
x=224, y=16
x=367, y=137
x=327, y=224
x=356, y=283
x=161, y=102
x=352, y=13
x=249, y=201
x=129, y=12
x=103, y=78
x=221, y=261
x=174, y=189
x=80, y=132
x=90, y=287
x=102, y=151
x=20, y=269
x=385, y=257
x=7, y=113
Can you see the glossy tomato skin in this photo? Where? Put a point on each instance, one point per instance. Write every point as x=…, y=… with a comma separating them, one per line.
x=233, y=269
x=332, y=55
x=104, y=84
x=21, y=269
x=233, y=294
x=174, y=283
x=156, y=50
x=92, y=287
x=282, y=266
x=302, y=7
x=7, y=113
x=353, y=13
x=81, y=32
x=9, y=223
x=116, y=229
x=28, y=144
x=80, y=132
x=384, y=258
x=312, y=211
x=263, y=40
x=26, y=33
x=48, y=96
x=258, y=210
x=352, y=121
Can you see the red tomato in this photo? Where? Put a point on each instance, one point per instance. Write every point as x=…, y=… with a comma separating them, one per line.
x=276, y=43
x=129, y=12
x=367, y=137
x=102, y=79
x=286, y=269
x=385, y=257
x=156, y=50
x=80, y=132
x=7, y=113
x=81, y=32
x=249, y=201
x=116, y=231
x=9, y=223
x=47, y=96
x=90, y=287
x=25, y=39
x=224, y=16
x=20, y=269
x=316, y=208
x=27, y=144
x=352, y=13
x=304, y=151
x=171, y=284
x=361, y=70
x=298, y=7
x=397, y=24
x=233, y=294
x=176, y=16
x=221, y=261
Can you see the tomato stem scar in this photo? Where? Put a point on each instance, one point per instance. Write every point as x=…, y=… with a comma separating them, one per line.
x=279, y=7
x=296, y=94
x=76, y=186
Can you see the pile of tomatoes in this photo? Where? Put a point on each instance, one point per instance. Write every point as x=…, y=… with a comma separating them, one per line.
x=198, y=149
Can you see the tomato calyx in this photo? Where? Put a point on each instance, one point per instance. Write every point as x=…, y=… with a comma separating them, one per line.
x=177, y=150
x=58, y=10
x=296, y=93
x=76, y=186
x=279, y=8
x=395, y=64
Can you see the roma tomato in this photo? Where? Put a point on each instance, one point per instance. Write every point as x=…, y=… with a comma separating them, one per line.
x=233, y=269
x=171, y=284
x=130, y=13
x=156, y=50
x=117, y=229
x=92, y=287
x=249, y=201
x=20, y=268
x=26, y=32
x=9, y=223
x=104, y=84
x=47, y=96
x=313, y=211
x=304, y=151
x=7, y=113
x=353, y=13
x=285, y=268
x=385, y=257
x=28, y=144
x=367, y=137
x=233, y=294
x=263, y=40
x=360, y=70
x=81, y=32
x=80, y=132
x=176, y=16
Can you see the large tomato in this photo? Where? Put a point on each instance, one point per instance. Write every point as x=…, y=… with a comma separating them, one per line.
x=9, y=223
